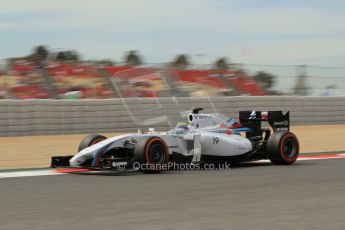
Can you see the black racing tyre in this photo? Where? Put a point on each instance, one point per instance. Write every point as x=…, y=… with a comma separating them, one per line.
x=152, y=153
x=90, y=140
x=282, y=148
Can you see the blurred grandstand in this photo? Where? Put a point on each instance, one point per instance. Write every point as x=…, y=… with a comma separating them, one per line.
x=79, y=80
x=28, y=80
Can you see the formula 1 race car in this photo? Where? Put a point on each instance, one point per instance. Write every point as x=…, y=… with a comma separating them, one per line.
x=205, y=138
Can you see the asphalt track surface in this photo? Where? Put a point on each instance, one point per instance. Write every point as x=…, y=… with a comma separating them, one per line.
x=307, y=195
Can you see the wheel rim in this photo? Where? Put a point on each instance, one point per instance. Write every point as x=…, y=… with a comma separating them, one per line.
x=157, y=153
x=290, y=148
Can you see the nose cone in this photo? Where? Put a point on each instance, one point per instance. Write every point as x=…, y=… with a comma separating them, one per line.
x=77, y=160
x=83, y=155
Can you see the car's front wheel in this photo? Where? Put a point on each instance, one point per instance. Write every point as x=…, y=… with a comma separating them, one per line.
x=152, y=154
x=90, y=140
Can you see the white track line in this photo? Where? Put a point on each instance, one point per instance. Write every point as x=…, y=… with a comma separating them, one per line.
x=46, y=172
x=52, y=172
x=320, y=158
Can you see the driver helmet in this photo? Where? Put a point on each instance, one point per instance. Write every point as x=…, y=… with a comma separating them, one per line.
x=182, y=126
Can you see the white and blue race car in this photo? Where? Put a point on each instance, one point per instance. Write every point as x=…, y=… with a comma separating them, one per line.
x=204, y=138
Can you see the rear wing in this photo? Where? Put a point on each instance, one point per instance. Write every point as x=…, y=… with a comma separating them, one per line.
x=276, y=119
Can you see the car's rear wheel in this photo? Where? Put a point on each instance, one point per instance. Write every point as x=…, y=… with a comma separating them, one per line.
x=90, y=140
x=152, y=153
x=282, y=148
